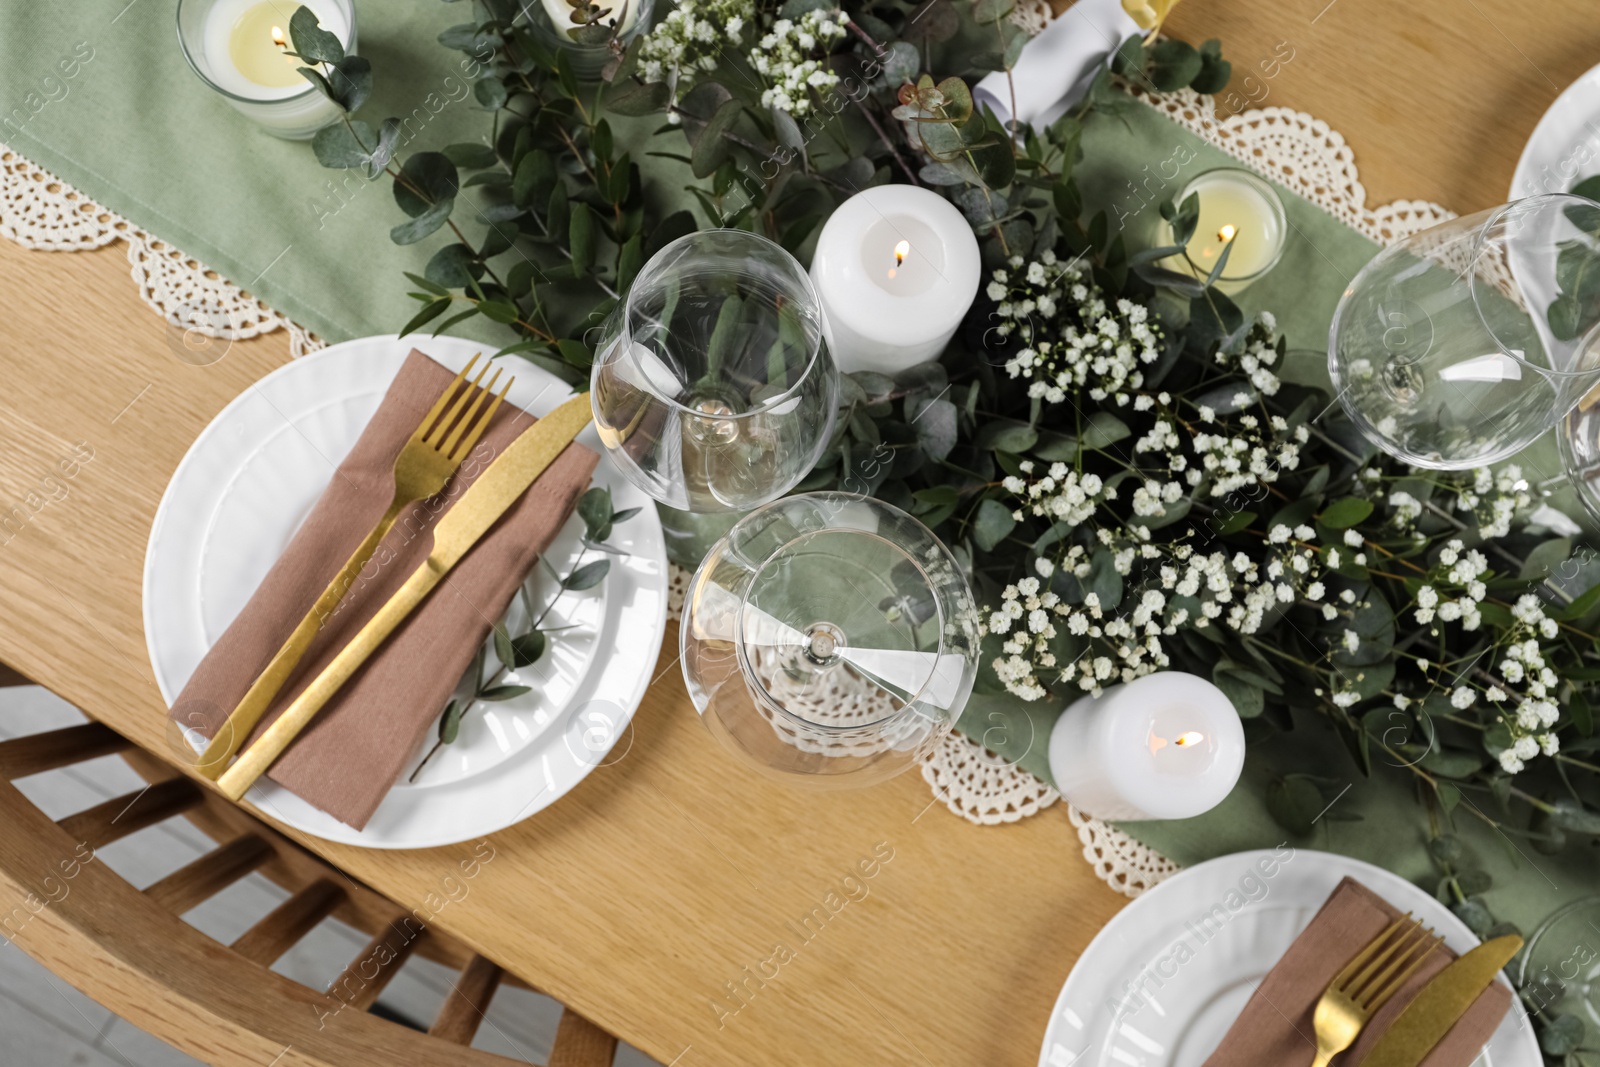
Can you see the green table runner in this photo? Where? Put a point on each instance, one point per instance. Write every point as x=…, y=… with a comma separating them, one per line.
x=133, y=128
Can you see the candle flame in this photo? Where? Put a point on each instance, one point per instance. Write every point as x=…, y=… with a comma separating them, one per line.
x=901, y=250
x=1226, y=233
x=277, y=38
x=1188, y=739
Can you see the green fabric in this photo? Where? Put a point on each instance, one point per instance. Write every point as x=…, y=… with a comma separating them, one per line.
x=139, y=132
x=136, y=130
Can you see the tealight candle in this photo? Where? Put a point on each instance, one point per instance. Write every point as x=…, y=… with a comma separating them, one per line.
x=1165, y=746
x=896, y=269
x=241, y=49
x=1238, y=209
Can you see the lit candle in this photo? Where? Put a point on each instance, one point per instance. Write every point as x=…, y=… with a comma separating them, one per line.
x=241, y=49
x=1165, y=746
x=896, y=269
x=1237, y=209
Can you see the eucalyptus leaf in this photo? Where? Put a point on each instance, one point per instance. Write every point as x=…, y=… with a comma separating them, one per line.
x=934, y=422
x=1294, y=803
x=350, y=82
x=992, y=524
x=311, y=42
x=450, y=723
x=594, y=508
x=497, y=693
x=587, y=576
x=343, y=146
x=413, y=230
x=526, y=649
x=425, y=179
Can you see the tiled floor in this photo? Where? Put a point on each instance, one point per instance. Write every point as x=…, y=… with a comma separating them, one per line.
x=44, y=1022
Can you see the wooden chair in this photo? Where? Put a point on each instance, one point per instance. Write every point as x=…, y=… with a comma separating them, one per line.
x=131, y=951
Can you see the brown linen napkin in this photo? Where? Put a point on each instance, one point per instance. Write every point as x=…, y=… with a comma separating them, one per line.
x=1275, y=1027
x=346, y=760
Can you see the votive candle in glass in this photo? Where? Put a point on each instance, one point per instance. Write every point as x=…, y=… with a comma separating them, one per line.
x=241, y=48
x=896, y=269
x=1166, y=746
x=1240, y=209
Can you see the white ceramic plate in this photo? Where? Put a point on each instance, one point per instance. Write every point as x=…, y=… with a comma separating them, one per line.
x=242, y=491
x=1199, y=977
x=1565, y=146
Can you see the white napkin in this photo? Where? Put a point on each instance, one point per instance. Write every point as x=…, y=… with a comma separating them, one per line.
x=1057, y=66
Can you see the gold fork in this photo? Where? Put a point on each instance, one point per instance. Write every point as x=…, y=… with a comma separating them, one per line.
x=1367, y=983
x=427, y=460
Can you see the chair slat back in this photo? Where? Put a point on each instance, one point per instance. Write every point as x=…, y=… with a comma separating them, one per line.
x=131, y=951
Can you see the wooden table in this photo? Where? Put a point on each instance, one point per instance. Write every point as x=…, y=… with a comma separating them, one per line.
x=652, y=897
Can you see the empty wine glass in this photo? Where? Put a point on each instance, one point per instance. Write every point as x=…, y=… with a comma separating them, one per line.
x=1460, y=345
x=829, y=640
x=713, y=389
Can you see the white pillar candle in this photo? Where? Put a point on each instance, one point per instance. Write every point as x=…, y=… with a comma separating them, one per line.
x=896, y=270
x=1165, y=746
x=240, y=49
x=1240, y=209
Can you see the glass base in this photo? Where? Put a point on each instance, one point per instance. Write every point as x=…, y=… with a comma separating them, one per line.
x=690, y=534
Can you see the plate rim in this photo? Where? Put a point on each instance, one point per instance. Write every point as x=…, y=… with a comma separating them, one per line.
x=652, y=553
x=1361, y=869
x=1520, y=175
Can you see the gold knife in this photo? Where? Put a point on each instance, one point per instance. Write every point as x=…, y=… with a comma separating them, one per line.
x=507, y=478
x=1441, y=1004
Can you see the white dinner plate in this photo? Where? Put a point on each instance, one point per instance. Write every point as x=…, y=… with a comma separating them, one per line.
x=1198, y=965
x=242, y=491
x=1565, y=146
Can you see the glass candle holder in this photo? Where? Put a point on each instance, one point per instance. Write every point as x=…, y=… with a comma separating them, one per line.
x=1237, y=208
x=829, y=640
x=240, y=49
x=553, y=18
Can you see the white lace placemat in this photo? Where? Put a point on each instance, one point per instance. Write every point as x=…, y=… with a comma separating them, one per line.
x=42, y=212
x=39, y=211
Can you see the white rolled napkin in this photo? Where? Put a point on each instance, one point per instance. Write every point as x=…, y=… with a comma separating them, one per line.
x=1056, y=67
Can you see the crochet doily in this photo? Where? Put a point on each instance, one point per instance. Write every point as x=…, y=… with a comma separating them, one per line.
x=42, y=212
x=1304, y=154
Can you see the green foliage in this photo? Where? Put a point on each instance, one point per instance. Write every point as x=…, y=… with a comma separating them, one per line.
x=599, y=517
x=539, y=222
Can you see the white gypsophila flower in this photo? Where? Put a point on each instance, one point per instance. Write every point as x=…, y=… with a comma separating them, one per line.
x=788, y=59
x=690, y=40
x=1126, y=642
x=1072, y=339
x=1495, y=498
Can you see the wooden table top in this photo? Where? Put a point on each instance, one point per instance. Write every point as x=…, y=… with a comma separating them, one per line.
x=655, y=896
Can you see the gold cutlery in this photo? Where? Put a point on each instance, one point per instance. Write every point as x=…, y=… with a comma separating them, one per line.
x=1367, y=983
x=429, y=457
x=1442, y=1002
x=507, y=478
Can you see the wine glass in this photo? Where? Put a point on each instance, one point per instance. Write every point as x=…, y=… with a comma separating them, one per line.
x=713, y=389
x=1460, y=345
x=829, y=640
